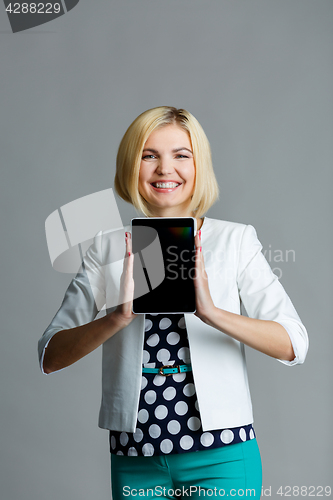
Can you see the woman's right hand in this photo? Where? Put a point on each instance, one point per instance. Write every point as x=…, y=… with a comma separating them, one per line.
x=123, y=313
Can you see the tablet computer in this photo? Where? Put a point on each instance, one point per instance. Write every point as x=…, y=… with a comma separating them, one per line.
x=164, y=264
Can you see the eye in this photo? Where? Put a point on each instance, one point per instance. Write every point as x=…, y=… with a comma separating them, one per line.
x=148, y=157
x=181, y=156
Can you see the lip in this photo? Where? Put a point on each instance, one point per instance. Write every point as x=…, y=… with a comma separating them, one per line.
x=166, y=190
x=166, y=180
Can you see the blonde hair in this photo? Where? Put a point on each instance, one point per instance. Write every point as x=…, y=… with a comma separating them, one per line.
x=129, y=155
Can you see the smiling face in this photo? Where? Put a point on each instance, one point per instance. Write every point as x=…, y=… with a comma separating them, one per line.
x=167, y=172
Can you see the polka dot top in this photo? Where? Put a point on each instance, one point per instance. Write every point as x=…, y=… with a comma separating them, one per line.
x=168, y=417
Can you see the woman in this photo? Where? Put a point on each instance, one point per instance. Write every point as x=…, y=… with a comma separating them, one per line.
x=189, y=434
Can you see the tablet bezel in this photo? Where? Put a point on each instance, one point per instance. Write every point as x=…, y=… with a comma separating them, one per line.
x=164, y=220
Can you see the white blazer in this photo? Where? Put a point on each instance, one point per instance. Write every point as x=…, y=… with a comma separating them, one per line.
x=238, y=276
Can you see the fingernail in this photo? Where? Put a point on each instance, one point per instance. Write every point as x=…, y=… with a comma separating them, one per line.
x=129, y=254
x=200, y=249
x=126, y=236
x=200, y=234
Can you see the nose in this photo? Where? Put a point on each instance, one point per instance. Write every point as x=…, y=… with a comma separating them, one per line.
x=164, y=166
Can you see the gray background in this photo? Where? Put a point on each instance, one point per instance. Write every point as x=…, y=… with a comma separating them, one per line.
x=258, y=76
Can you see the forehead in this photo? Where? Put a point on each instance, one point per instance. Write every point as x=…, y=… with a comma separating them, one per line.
x=169, y=135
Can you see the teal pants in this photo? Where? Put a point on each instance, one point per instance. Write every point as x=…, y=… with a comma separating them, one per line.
x=231, y=471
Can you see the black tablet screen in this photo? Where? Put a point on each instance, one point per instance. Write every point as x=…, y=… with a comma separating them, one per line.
x=164, y=260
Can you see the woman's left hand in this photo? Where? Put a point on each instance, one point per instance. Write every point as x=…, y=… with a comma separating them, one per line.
x=203, y=300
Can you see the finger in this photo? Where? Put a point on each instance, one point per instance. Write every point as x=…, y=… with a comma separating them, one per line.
x=129, y=254
x=127, y=277
x=126, y=253
x=200, y=263
x=197, y=240
x=125, y=273
x=128, y=243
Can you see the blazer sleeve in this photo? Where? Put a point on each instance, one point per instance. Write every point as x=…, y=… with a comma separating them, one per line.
x=83, y=299
x=264, y=297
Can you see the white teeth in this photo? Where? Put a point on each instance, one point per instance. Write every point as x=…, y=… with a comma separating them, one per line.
x=166, y=184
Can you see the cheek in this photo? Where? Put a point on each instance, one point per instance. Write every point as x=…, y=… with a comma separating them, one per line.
x=190, y=174
x=140, y=183
x=142, y=175
x=145, y=172
x=144, y=179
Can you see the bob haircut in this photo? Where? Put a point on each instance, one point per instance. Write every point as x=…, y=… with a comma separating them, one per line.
x=206, y=190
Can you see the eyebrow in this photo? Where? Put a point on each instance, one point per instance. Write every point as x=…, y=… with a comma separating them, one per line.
x=174, y=150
